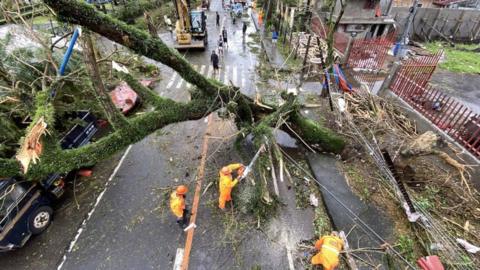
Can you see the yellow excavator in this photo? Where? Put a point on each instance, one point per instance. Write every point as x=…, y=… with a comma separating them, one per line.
x=191, y=27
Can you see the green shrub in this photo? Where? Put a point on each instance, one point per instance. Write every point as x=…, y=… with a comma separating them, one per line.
x=134, y=9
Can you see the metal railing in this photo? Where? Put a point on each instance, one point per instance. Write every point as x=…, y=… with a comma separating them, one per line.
x=370, y=53
x=447, y=113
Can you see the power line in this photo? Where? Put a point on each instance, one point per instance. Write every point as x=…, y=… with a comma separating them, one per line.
x=353, y=216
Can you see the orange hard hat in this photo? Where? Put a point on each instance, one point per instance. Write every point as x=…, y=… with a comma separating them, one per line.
x=226, y=170
x=182, y=189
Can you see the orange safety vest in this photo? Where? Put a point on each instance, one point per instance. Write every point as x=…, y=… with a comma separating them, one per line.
x=226, y=184
x=177, y=204
x=330, y=247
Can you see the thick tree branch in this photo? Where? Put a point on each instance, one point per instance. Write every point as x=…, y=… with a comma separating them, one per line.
x=138, y=128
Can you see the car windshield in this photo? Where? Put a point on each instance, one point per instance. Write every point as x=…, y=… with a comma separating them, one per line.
x=8, y=198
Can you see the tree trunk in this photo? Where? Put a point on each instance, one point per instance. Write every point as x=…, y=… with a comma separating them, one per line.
x=151, y=27
x=116, y=119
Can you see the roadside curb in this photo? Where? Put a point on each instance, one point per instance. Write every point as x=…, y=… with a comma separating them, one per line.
x=264, y=47
x=333, y=185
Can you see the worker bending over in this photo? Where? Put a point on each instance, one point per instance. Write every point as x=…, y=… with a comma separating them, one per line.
x=226, y=183
x=177, y=205
x=329, y=247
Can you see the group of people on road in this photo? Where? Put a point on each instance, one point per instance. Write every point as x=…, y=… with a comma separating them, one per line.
x=226, y=183
x=328, y=247
x=222, y=44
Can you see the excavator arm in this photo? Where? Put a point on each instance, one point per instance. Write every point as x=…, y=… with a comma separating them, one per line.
x=183, y=25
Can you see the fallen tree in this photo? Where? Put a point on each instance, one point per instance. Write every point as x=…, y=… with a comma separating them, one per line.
x=208, y=96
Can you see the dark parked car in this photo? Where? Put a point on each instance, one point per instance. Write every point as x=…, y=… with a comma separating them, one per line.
x=26, y=206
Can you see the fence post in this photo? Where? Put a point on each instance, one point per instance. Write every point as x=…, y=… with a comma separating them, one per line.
x=458, y=25
x=306, y=57
x=296, y=48
x=388, y=80
x=434, y=24
x=290, y=39
x=347, y=50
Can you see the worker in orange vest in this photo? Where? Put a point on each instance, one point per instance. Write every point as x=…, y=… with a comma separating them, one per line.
x=329, y=247
x=178, y=207
x=226, y=182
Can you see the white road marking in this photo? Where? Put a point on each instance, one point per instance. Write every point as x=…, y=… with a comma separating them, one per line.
x=210, y=70
x=196, y=68
x=89, y=215
x=225, y=75
x=243, y=82
x=202, y=69
x=170, y=83
x=291, y=266
x=234, y=75
x=179, y=83
x=177, y=265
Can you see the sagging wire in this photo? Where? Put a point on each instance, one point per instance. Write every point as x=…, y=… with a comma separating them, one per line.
x=436, y=230
x=355, y=218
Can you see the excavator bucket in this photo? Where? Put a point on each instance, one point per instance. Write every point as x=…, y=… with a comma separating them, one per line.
x=430, y=263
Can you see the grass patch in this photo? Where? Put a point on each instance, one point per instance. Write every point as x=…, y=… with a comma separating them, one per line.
x=42, y=20
x=462, y=58
x=321, y=223
x=427, y=199
x=286, y=51
x=361, y=186
x=405, y=245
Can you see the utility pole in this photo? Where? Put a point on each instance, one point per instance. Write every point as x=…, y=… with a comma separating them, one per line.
x=408, y=27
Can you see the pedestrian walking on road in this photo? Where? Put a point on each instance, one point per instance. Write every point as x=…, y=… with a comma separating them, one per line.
x=218, y=19
x=178, y=207
x=214, y=59
x=274, y=37
x=225, y=39
x=220, y=46
x=244, y=28
x=226, y=183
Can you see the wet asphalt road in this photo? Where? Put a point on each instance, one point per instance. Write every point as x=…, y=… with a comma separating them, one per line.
x=132, y=228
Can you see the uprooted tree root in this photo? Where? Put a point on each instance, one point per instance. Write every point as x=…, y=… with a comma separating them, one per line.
x=461, y=168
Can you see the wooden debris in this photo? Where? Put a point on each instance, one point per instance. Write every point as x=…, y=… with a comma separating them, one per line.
x=31, y=148
x=301, y=38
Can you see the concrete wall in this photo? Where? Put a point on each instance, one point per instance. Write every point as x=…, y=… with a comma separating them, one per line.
x=408, y=3
x=457, y=24
x=356, y=8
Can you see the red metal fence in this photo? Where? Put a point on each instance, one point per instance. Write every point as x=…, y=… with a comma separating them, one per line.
x=420, y=69
x=450, y=115
x=371, y=53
